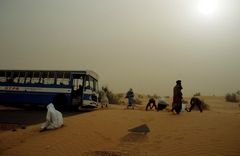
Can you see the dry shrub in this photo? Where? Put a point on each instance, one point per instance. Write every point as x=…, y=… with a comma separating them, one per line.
x=205, y=106
x=197, y=94
x=184, y=101
x=155, y=96
x=112, y=98
x=149, y=96
x=140, y=96
x=232, y=97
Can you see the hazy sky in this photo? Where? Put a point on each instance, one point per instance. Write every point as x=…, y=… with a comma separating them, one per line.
x=143, y=44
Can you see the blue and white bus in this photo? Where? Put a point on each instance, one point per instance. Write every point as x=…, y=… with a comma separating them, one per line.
x=40, y=87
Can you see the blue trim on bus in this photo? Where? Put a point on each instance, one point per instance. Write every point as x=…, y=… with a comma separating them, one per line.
x=87, y=96
x=38, y=98
x=34, y=85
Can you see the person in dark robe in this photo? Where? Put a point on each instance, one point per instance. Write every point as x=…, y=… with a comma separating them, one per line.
x=130, y=96
x=177, y=97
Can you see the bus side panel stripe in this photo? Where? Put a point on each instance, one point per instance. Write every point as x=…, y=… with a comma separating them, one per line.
x=35, y=89
x=28, y=98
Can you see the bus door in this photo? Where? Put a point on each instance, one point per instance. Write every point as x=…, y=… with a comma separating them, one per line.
x=77, y=89
x=90, y=92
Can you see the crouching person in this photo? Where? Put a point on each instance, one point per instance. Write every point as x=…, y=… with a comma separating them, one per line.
x=54, y=119
x=162, y=104
x=151, y=104
x=195, y=101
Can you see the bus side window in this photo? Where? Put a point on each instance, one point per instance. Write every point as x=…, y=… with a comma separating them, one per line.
x=21, y=77
x=10, y=80
x=62, y=78
x=15, y=80
x=28, y=77
x=49, y=81
x=95, y=88
x=61, y=81
x=41, y=80
x=8, y=77
x=91, y=83
x=87, y=83
x=49, y=78
x=2, y=77
x=35, y=77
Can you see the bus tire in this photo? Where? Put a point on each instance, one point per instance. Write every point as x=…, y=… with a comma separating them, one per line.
x=59, y=101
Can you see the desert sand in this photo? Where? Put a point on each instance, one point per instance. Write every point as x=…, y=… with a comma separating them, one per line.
x=104, y=132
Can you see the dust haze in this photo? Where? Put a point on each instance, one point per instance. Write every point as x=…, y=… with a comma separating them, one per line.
x=145, y=45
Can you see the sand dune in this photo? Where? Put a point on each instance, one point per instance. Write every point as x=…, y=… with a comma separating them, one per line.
x=105, y=133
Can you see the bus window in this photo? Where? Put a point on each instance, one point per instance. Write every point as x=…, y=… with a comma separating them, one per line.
x=77, y=81
x=28, y=77
x=48, y=78
x=35, y=77
x=21, y=77
x=40, y=78
x=2, y=79
x=63, y=81
x=16, y=77
x=2, y=76
x=59, y=78
x=87, y=83
x=51, y=78
x=9, y=76
x=91, y=82
x=95, y=86
x=43, y=77
x=77, y=85
x=63, y=78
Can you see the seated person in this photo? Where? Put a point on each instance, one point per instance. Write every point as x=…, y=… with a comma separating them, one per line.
x=54, y=119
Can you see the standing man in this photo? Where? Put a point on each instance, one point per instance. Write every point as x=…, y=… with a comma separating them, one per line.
x=130, y=96
x=177, y=97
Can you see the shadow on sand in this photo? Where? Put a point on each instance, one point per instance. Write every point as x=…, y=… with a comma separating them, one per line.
x=12, y=116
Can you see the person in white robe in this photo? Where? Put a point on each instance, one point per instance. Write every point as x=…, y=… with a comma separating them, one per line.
x=54, y=119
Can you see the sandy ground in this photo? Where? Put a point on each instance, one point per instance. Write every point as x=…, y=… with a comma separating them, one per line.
x=105, y=133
